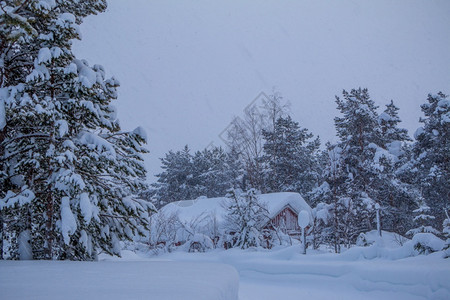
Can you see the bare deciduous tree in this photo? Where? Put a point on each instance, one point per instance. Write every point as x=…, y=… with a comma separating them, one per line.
x=244, y=135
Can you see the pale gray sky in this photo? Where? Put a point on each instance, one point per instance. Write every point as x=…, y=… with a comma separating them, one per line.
x=187, y=67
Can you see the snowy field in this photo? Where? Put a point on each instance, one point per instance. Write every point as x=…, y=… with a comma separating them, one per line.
x=286, y=274
x=279, y=274
x=117, y=280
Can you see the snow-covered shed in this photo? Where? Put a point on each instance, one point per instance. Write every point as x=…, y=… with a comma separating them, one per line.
x=205, y=212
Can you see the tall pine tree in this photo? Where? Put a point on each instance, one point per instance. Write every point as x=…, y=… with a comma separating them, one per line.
x=290, y=156
x=70, y=173
x=430, y=164
x=359, y=135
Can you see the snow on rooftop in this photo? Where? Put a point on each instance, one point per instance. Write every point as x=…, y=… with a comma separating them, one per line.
x=188, y=210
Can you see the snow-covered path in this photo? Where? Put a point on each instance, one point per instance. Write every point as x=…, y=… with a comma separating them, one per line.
x=286, y=274
x=341, y=281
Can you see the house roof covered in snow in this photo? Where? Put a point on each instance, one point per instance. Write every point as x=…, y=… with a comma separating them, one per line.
x=188, y=210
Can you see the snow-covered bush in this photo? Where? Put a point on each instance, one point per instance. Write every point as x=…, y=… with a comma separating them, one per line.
x=424, y=236
x=426, y=243
x=169, y=231
x=204, y=224
x=244, y=218
x=163, y=232
x=199, y=243
x=274, y=236
x=362, y=241
x=422, y=219
x=320, y=231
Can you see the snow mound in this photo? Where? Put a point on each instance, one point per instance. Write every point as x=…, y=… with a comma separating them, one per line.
x=427, y=243
x=422, y=243
x=111, y=280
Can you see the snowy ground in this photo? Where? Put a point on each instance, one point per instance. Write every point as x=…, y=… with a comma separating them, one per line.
x=112, y=280
x=286, y=274
x=276, y=274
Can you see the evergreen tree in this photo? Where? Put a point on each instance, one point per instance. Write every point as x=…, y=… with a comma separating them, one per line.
x=245, y=217
x=332, y=214
x=421, y=234
x=391, y=192
x=211, y=173
x=390, y=132
x=429, y=168
x=217, y=171
x=70, y=173
x=422, y=219
x=290, y=157
x=176, y=182
x=359, y=135
x=360, y=172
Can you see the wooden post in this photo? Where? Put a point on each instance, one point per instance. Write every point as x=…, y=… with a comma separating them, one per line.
x=304, y=240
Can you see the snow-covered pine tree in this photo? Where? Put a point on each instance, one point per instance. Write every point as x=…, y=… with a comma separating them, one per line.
x=235, y=169
x=71, y=172
x=245, y=215
x=16, y=32
x=330, y=212
x=176, y=181
x=424, y=235
x=360, y=171
x=423, y=220
x=290, y=156
x=430, y=163
x=393, y=194
x=321, y=229
x=217, y=171
x=390, y=132
x=359, y=135
x=210, y=172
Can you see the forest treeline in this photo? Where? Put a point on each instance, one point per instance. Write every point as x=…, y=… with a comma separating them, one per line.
x=374, y=166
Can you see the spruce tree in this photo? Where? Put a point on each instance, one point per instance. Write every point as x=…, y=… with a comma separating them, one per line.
x=210, y=172
x=176, y=181
x=423, y=220
x=390, y=132
x=429, y=168
x=332, y=214
x=71, y=173
x=359, y=135
x=391, y=192
x=421, y=234
x=217, y=171
x=290, y=156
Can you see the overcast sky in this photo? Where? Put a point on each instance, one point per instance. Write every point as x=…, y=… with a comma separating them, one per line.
x=188, y=67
